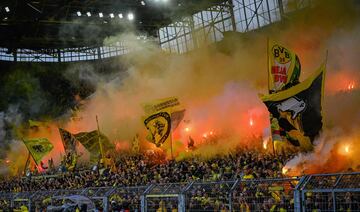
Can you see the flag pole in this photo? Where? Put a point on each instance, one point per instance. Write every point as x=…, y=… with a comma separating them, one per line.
x=268, y=76
x=27, y=162
x=171, y=145
x=171, y=136
x=32, y=156
x=100, y=143
x=326, y=58
x=273, y=147
x=267, y=62
x=30, y=153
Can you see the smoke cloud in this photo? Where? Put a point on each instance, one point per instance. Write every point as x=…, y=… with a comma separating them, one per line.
x=219, y=85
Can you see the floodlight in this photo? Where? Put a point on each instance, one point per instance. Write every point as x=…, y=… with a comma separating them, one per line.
x=78, y=13
x=143, y=3
x=111, y=15
x=121, y=15
x=7, y=9
x=88, y=14
x=130, y=16
x=101, y=15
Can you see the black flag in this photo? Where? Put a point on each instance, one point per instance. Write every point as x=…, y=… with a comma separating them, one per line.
x=297, y=111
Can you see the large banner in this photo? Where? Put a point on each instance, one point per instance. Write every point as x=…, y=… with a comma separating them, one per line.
x=161, y=105
x=68, y=141
x=284, y=67
x=159, y=127
x=296, y=113
x=91, y=141
x=38, y=148
x=161, y=117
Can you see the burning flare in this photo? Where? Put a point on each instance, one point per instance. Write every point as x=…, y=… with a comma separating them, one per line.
x=251, y=122
x=285, y=170
x=265, y=142
x=347, y=149
x=351, y=86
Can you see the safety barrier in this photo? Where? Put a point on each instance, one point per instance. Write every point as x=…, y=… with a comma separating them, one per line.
x=209, y=196
x=165, y=196
x=321, y=192
x=330, y=192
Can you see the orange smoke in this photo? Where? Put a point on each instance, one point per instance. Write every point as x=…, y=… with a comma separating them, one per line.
x=219, y=88
x=342, y=81
x=334, y=153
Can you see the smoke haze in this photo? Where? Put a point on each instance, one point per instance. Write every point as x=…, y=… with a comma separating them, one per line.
x=219, y=85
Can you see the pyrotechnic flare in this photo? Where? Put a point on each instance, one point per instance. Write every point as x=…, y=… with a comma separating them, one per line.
x=251, y=122
x=265, y=143
x=347, y=149
x=351, y=86
x=285, y=170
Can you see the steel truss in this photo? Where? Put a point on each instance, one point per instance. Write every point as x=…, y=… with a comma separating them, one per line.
x=209, y=25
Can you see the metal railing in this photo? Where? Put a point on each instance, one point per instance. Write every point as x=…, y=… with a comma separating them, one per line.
x=264, y=195
x=330, y=192
x=321, y=192
x=165, y=197
x=209, y=196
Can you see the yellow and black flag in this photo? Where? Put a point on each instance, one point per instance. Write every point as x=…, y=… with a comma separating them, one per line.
x=92, y=141
x=159, y=126
x=68, y=140
x=297, y=111
x=162, y=116
x=284, y=67
x=38, y=148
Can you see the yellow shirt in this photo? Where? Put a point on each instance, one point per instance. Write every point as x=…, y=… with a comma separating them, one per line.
x=248, y=176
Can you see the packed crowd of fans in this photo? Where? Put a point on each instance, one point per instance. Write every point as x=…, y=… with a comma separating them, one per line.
x=145, y=169
x=140, y=170
x=213, y=179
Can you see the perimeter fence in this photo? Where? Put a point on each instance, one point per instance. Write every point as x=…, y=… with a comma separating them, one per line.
x=322, y=192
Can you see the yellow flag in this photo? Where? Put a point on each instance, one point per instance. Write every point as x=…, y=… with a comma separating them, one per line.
x=135, y=144
x=35, y=123
x=162, y=116
x=296, y=113
x=161, y=105
x=38, y=148
x=284, y=67
x=159, y=127
x=91, y=141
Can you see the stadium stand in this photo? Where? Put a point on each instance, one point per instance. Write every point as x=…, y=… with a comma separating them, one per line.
x=243, y=181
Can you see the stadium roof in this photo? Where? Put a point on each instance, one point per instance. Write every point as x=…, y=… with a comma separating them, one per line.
x=74, y=23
